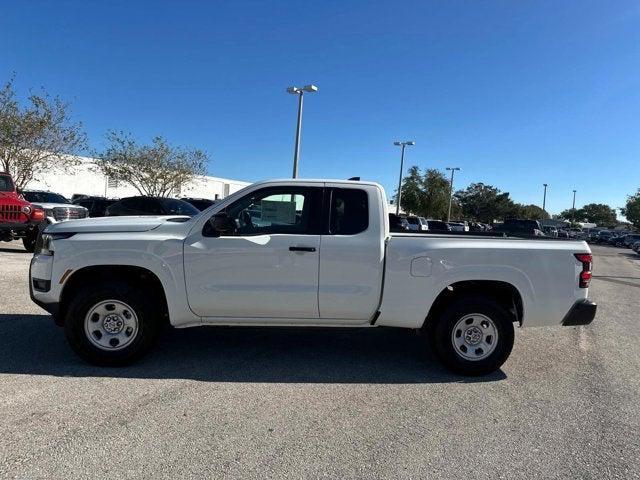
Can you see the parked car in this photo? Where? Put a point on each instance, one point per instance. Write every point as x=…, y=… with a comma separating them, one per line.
x=56, y=207
x=113, y=282
x=575, y=232
x=200, y=203
x=458, y=226
x=18, y=218
x=416, y=223
x=636, y=247
x=96, y=206
x=398, y=223
x=150, y=206
x=520, y=227
x=603, y=236
x=437, y=226
x=631, y=239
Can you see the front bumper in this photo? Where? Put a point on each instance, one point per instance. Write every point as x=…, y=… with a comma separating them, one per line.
x=20, y=229
x=42, y=270
x=582, y=313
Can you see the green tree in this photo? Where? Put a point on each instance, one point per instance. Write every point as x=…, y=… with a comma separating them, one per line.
x=437, y=191
x=412, y=200
x=529, y=212
x=632, y=209
x=37, y=138
x=425, y=195
x=158, y=169
x=484, y=203
x=598, y=213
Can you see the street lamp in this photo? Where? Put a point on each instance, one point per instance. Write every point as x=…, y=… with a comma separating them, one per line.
x=573, y=209
x=300, y=92
x=453, y=170
x=401, y=144
x=544, y=198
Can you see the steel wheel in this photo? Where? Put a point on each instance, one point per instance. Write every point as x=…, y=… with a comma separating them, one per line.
x=474, y=337
x=111, y=325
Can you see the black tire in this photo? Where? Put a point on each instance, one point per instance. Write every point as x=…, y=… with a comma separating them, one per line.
x=148, y=315
x=441, y=331
x=30, y=242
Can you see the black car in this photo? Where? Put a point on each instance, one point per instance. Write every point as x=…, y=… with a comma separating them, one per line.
x=520, y=227
x=398, y=223
x=97, y=206
x=438, y=226
x=200, y=203
x=151, y=206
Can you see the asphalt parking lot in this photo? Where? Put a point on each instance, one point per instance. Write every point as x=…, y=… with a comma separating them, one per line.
x=292, y=403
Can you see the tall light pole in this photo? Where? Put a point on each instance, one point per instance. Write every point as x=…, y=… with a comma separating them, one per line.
x=401, y=144
x=544, y=198
x=453, y=170
x=573, y=209
x=300, y=92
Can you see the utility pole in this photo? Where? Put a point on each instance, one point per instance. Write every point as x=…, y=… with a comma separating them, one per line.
x=300, y=92
x=453, y=170
x=399, y=196
x=573, y=209
x=544, y=198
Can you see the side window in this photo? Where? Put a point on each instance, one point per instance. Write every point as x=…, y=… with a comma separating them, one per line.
x=150, y=206
x=292, y=210
x=349, y=211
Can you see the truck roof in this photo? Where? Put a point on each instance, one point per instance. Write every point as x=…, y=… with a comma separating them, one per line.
x=318, y=180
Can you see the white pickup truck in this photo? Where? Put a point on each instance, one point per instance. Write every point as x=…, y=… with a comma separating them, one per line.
x=303, y=253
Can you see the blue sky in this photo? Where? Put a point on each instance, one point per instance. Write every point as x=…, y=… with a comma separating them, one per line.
x=516, y=93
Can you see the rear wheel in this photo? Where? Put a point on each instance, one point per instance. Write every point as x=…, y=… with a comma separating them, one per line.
x=111, y=324
x=474, y=336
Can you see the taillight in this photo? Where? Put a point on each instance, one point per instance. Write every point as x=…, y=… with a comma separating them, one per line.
x=37, y=214
x=586, y=259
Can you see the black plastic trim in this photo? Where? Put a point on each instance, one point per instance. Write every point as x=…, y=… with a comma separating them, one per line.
x=582, y=313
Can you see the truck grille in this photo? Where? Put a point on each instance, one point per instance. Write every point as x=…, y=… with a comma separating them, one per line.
x=68, y=213
x=12, y=214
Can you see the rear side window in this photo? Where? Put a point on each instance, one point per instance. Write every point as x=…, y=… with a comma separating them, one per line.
x=349, y=213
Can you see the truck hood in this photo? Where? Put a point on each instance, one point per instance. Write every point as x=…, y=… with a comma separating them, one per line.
x=113, y=224
x=51, y=206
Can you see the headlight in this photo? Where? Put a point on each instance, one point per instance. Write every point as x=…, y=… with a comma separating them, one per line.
x=26, y=210
x=44, y=245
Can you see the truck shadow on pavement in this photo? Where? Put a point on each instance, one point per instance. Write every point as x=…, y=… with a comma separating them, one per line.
x=33, y=345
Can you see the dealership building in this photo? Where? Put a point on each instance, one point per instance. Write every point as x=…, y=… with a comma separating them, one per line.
x=86, y=179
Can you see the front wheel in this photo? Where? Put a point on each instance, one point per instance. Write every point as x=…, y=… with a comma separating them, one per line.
x=474, y=336
x=111, y=324
x=30, y=242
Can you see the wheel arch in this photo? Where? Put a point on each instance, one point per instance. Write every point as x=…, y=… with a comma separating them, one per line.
x=502, y=292
x=139, y=276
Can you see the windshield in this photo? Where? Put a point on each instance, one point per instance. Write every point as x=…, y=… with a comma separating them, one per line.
x=44, y=197
x=178, y=207
x=6, y=184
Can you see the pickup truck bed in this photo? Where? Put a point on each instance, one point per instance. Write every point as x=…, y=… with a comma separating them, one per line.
x=306, y=253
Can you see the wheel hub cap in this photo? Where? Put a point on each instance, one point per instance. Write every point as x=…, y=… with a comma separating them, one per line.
x=113, y=323
x=474, y=337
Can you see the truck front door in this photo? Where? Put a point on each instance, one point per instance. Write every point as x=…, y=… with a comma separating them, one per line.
x=267, y=266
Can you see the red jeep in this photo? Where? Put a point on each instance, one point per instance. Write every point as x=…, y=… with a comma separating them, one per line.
x=18, y=219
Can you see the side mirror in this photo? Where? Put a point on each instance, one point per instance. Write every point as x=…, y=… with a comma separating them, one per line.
x=218, y=225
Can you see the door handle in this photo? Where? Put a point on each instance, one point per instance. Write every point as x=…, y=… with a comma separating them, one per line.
x=302, y=249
